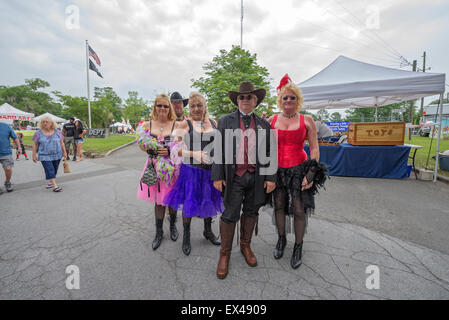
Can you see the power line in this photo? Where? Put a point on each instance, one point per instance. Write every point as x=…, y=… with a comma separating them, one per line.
x=339, y=35
x=395, y=52
x=361, y=32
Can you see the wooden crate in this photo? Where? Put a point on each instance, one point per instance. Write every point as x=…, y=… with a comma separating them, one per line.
x=376, y=133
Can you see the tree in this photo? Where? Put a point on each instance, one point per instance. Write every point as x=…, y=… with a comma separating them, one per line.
x=105, y=109
x=392, y=112
x=336, y=117
x=135, y=108
x=225, y=73
x=323, y=115
x=29, y=98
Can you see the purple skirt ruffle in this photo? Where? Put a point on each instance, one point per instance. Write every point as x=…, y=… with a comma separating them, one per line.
x=196, y=193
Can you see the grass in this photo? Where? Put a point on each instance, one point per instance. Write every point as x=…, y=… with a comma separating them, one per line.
x=93, y=145
x=421, y=154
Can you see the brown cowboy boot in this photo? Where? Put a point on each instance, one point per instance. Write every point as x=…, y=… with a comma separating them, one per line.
x=227, y=235
x=247, y=225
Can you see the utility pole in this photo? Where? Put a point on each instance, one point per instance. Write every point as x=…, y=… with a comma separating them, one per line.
x=423, y=70
x=241, y=24
x=411, y=109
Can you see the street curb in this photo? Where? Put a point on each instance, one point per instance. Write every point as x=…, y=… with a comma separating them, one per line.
x=118, y=148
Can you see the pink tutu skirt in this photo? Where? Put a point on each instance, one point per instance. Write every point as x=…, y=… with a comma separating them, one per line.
x=155, y=194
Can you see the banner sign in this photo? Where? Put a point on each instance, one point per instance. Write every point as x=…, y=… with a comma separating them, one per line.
x=338, y=126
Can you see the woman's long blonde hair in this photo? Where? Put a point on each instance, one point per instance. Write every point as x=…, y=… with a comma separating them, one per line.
x=171, y=112
x=197, y=95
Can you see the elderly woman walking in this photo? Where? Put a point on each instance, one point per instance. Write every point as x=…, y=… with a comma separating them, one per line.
x=194, y=190
x=158, y=175
x=49, y=148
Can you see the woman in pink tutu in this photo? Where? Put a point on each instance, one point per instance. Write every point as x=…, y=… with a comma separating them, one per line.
x=155, y=138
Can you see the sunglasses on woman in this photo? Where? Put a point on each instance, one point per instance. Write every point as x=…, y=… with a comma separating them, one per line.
x=292, y=98
x=162, y=106
x=245, y=97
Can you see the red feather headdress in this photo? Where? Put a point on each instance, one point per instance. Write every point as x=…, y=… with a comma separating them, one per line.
x=285, y=80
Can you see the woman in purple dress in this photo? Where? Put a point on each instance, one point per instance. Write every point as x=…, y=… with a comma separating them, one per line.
x=194, y=190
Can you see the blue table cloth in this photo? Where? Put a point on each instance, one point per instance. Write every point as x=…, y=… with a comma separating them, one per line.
x=365, y=161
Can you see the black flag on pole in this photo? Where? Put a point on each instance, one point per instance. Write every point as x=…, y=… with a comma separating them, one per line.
x=94, y=68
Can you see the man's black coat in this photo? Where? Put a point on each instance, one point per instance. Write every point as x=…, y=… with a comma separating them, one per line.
x=225, y=171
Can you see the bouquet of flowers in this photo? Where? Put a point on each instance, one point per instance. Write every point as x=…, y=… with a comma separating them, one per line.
x=165, y=166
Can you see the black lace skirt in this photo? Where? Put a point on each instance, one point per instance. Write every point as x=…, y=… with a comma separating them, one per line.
x=289, y=180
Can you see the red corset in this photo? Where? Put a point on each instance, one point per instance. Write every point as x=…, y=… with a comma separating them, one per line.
x=291, y=144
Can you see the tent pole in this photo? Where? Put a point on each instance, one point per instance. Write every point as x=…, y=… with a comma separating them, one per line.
x=376, y=109
x=440, y=131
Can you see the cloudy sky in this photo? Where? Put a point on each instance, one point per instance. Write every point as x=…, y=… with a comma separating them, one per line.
x=157, y=46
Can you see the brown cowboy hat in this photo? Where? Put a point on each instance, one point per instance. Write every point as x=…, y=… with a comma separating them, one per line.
x=245, y=88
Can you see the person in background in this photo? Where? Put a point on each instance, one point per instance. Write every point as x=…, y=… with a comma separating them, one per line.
x=264, y=116
x=178, y=104
x=6, y=133
x=68, y=131
x=49, y=148
x=79, y=139
x=20, y=137
x=323, y=131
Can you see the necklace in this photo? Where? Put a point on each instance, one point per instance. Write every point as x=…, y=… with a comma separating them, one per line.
x=289, y=117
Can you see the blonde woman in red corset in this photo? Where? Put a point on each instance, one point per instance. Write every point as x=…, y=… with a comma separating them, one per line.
x=298, y=178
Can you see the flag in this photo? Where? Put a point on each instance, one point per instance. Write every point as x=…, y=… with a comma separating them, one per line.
x=94, y=68
x=94, y=55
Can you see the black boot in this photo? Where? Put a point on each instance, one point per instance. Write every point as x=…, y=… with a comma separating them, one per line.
x=208, y=234
x=159, y=233
x=280, y=246
x=186, y=247
x=296, y=256
x=173, y=231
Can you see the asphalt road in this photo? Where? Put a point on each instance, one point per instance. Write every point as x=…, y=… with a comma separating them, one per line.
x=97, y=226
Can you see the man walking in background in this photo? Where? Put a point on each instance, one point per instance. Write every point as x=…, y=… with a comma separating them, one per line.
x=68, y=131
x=6, y=133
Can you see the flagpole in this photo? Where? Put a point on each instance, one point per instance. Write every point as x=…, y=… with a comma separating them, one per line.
x=88, y=85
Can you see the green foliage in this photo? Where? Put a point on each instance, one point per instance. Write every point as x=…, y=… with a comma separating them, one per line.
x=335, y=117
x=323, y=115
x=104, y=110
x=393, y=112
x=135, y=108
x=27, y=97
x=225, y=73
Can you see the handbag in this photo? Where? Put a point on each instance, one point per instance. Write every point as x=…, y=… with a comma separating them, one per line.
x=149, y=176
x=66, y=167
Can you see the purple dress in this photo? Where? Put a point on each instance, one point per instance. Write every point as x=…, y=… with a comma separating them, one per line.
x=194, y=190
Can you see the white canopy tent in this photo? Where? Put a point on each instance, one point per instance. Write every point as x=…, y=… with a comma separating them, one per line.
x=9, y=113
x=348, y=83
x=119, y=124
x=55, y=118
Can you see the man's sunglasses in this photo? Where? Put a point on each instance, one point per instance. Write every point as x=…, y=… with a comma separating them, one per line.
x=292, y=98
x=162, y=106
x=247, y=97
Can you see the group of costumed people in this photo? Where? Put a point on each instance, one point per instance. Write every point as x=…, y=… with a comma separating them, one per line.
x=182, y=170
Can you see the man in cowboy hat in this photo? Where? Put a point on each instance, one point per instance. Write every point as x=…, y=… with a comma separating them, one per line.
x=178, y=104
x=245, y=180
